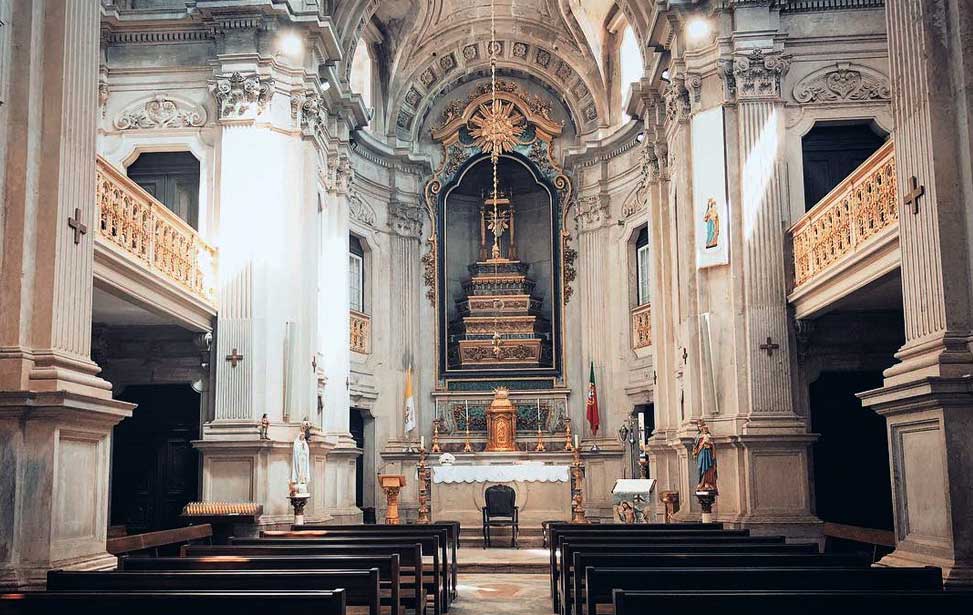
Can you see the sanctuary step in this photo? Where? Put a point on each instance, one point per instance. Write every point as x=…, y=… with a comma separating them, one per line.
x=527, y=537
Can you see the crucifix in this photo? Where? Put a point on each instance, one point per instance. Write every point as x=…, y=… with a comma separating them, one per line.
x=912, y=197
x=769, y=346
x=234, y=358
x=77, y=225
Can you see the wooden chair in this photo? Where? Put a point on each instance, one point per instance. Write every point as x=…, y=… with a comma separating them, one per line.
x=500, y=511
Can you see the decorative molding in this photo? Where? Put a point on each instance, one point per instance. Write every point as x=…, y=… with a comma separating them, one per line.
x=237, y=94
x=404, y=219
x=310, y=112
x=359, y=210
x=676, y=98
x=159, y=111
x=842, y=82
x=593, y=211
x=759, y=74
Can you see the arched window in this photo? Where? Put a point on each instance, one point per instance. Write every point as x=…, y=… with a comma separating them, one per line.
x=642, y=296
x=630, y=63
x=361, y=73
x=356, y=274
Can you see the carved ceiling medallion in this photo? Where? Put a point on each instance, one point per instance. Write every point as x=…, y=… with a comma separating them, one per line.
x=496, y=127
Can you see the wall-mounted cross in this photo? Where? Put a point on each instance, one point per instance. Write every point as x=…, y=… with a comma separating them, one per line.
x=770, y=347
x=912, y=197
x=234, y=358
x=77, y=225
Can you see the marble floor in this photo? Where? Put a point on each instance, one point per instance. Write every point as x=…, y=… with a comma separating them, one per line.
x=500, y=594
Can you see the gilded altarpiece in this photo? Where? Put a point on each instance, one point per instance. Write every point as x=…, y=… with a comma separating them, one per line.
x=506, y=323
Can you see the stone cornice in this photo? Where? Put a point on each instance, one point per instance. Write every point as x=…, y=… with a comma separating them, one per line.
x=623, y=140
x=365, y=145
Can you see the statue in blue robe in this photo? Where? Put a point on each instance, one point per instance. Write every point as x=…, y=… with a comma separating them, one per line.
x=705, y=454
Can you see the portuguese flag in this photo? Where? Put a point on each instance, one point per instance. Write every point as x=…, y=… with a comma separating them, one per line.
x=591, y=403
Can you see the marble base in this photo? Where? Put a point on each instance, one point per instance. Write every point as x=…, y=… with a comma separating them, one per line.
x=56, y=447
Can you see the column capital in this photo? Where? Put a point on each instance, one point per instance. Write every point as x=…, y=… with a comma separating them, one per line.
x=756, y=74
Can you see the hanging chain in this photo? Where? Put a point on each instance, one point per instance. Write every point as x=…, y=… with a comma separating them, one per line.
x=494, y=155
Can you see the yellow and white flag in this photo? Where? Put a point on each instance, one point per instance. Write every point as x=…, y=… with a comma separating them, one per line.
x=410, y=402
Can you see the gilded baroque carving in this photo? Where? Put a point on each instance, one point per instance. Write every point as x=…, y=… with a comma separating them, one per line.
x=759, y=74
x=237, y=94
x=359, y=333
x=642, y=327
x=160, y=111
x=429, y=270
x=843, y=82
x=496, y=127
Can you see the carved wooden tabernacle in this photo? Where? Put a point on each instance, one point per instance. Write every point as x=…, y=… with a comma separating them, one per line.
x=501, y=424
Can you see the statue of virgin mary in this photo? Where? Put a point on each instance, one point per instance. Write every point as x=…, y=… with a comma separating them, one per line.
x=301, y=463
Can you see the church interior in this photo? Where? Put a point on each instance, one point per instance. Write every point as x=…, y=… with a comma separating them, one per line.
x=493, y=306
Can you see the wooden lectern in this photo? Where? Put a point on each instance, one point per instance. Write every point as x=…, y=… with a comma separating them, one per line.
x=391, y=484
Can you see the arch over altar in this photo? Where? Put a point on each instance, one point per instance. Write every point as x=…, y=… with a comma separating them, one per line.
x=518, y=127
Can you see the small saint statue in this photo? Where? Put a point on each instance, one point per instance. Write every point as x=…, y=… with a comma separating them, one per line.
x=306, y=428
x=264, y=426
x=300, y=464
x=705, y=454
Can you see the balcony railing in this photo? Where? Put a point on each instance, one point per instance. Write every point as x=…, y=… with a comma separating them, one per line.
x=848, y=219
x=130, y=220
x=642, y=327
x=361, y=331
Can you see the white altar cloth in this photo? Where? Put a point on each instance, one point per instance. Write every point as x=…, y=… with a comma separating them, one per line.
x=527, y=473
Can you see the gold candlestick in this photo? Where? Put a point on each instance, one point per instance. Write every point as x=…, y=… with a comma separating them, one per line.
x=468, y=446
x=577, y=497
x=567, y=434
x=540, y=441
x=423, y=472
x=435, y=436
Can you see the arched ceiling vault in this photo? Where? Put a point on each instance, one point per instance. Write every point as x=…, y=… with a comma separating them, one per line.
x=431, y=44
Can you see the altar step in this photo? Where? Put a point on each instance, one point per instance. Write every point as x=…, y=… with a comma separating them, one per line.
x=527, y=538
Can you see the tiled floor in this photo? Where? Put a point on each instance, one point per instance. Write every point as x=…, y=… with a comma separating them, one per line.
x=468, y=555
x=500, y=594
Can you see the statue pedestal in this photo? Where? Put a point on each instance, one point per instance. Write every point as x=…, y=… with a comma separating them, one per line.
x=298, y=502
x=706, y=500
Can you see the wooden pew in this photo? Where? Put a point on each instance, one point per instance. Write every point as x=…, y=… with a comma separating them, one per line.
x=452, y=528
x=578, y=557
x=361, y=586
x=170, y=602
x=556, y=530
x=434, y=580
x=447, y=548
x=411, y=568
x=154, y=540
x=601, y=582
x=387, y=565
x=659, y=537
x=744, y=602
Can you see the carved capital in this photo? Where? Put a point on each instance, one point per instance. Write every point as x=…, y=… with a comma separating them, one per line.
x=759, y=74
x=594, y=211
x=309, y=112
x=340, y=174
x=240, y=96
x=404, y=219
x=676, y=98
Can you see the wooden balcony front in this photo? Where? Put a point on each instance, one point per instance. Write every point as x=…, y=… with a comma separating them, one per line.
x=642, y=327
x=848, y=239
x=361, y=331
x=149, y=255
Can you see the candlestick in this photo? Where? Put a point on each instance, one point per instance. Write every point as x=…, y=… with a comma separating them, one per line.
x=435, y=436
x=468, y=446
x=577, y=493
x=423, y=480
x=567, y=434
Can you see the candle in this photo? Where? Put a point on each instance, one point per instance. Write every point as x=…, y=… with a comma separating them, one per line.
x=575, y=440
x=422, y=441
x=467, y=415
x=538, y=412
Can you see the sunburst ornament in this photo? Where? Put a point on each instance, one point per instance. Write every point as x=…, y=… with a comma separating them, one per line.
x=496, y=127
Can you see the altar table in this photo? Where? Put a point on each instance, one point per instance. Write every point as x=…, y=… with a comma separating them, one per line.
x=543, y=491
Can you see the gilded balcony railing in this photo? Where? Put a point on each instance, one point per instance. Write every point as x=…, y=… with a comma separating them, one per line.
x=134, y=222
x=642, y=326
x=361, y=331
x=847, y=218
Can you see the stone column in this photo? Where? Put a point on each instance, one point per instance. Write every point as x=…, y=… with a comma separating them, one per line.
x=770, y=450
x=333, y=340
x=56, y=414
x=927, y=399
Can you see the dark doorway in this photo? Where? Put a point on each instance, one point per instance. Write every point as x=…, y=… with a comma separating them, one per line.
x=173, y=178
x=154, y=466
x=831, y=153
x=356, y=426
x=851, y=457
